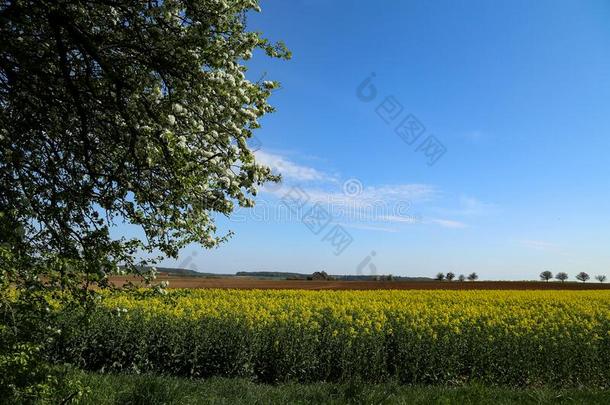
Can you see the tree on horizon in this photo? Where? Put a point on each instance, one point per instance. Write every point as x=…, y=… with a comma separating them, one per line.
x=546, y=276
x=561, y=276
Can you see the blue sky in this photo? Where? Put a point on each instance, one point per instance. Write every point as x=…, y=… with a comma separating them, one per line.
x=518, y=94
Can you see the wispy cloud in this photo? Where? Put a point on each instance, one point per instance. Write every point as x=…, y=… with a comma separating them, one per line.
x=467, y=207
x=407, y=219
x=448, y=223
x=289, y=169
x=473, y=206
x=371, y=196
x=412, y=192
x=538, y=244
x=366, y=206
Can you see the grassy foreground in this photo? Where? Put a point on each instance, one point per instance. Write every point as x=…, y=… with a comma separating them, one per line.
x=147, y=389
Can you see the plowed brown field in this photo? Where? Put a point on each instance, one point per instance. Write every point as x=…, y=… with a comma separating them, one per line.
x=254, y=283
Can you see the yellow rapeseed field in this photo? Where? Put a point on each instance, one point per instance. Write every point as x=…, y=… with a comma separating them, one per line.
x=512, y=337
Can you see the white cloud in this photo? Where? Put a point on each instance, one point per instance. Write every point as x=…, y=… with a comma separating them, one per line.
x=388, y=204
x=473, y=206
x=410, y=192
x=405, y=194
x=448, y=223
x=386, y=200
x=468, y=206
x=289, y=169
x=361, y=205
x=407, y=219
x=294, y=173
x=538, y=244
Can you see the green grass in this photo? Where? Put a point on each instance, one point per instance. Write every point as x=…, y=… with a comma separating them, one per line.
x=147, y=389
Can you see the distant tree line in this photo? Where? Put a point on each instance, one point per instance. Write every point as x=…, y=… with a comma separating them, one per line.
x=562, y=276
x=544, y=276
x=451, y=276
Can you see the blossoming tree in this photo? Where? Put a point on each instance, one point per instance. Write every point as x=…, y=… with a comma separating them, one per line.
x=121, y=111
